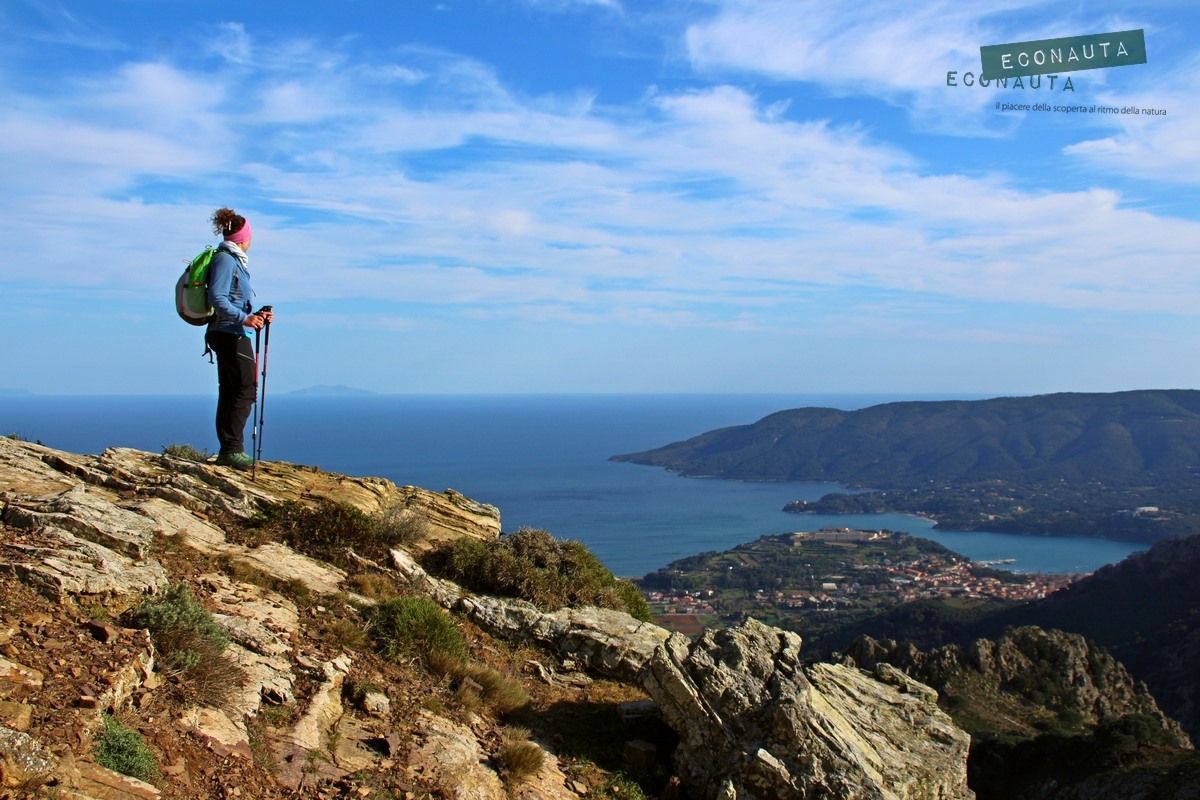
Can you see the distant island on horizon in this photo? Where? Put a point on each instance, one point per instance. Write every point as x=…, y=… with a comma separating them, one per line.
x=1119, y=465
x=330, y=390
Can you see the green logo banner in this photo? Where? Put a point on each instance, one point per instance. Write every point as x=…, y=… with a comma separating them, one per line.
x=1048, y=56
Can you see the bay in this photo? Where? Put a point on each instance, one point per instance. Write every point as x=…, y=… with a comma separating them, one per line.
x=543, y=460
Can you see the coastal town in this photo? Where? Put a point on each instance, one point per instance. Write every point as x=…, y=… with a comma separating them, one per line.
x=793, y=578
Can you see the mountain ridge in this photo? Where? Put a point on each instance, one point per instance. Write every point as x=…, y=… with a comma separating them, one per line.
x=1121, y=465
x=1120, y=436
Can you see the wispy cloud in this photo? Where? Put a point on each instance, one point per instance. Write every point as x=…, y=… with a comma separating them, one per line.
x=1151, y=146
x=399, y=197
x=421, y=179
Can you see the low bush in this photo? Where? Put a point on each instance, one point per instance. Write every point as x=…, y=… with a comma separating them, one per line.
x=182, y=629
x=500, y=692
x=532, y=565
x=518, y=758
x=191, y=644
x=186, y=452
x=415, y=627
x=329, y=530
x=123, y=750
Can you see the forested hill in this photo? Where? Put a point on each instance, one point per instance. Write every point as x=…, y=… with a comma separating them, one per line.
x=1118, y=438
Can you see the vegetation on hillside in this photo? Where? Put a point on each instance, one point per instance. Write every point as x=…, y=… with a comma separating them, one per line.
x=124, y=750
x=1126, y=752
x=328, y=531
x=532, y=565
x=191, y=643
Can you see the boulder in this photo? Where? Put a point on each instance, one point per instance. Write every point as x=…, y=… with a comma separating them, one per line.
x=1026, y=676
x=604, y=641
x=450, y=758
x=755, y=722
x=24, y=761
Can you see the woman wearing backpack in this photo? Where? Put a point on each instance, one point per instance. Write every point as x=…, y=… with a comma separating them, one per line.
x=232, y=299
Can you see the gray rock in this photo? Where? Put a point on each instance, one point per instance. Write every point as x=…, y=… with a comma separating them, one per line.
x=755, y=722
x=90, y=515
x=24, y=761
x=58, y=563
x=602, y=640
x=1009, y=678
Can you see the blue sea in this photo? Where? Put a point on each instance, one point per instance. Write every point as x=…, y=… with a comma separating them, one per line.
x=543, y=460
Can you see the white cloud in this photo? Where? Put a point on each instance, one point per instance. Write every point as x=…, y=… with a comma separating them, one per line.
x=233, y=44
x=691, y=208
x=889, y=44
x=1150, y=146
x=562, y=5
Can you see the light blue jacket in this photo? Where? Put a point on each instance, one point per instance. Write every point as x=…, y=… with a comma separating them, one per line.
x=229, y=291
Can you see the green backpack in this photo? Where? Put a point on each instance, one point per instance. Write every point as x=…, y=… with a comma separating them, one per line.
x=191, y=290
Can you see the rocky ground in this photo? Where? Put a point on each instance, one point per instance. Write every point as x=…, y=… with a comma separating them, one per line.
x=301, y=705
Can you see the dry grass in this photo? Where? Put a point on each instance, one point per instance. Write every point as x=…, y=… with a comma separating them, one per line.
x=293, y=588
x=518, y=758
x=374, y=585
x=344, y=633
x=502, y=693
x=468, y=699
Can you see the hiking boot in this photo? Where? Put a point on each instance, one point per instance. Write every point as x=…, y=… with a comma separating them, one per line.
x=235, y=460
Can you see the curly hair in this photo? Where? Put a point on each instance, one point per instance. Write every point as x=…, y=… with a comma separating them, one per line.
x=226, y=221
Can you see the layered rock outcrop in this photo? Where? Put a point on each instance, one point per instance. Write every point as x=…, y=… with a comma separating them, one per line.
x=753, y=720
x=1029, y=675
x=756, y=722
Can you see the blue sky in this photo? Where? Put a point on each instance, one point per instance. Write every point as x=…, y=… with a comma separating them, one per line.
x=477, y=196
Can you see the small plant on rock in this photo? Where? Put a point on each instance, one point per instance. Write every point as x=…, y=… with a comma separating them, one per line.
x=533, y=565
x=191, y=644
x=415, y=627
x=186, y=452
x=518, y=758
x=123, y=750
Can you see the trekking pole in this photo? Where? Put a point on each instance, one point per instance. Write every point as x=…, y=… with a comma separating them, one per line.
x=254, y=410
x=262, y=402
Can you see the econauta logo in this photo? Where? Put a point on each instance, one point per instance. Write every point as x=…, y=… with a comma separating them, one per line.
x=1047, y=82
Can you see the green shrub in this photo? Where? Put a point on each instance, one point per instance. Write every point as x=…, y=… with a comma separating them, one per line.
x=328, y=530
x=182, y=629
x=533, y=565
x=186, y=452
x=123, y=750
x=621, y=785
x=190, y=643
x=415, y=627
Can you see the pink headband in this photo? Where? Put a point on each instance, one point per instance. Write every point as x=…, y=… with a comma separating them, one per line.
x=241, y=236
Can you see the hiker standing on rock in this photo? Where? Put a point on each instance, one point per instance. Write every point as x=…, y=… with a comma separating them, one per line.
x=232, y=299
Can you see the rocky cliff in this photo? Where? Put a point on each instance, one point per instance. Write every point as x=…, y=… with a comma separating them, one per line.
x=1051, y=716
x=1025, y=681
x=308, y=709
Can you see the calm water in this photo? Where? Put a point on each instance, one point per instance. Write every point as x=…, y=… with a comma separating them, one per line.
x=542, y=460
